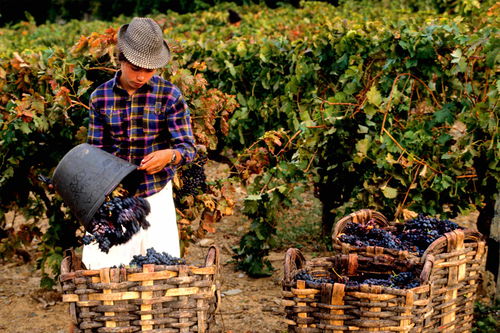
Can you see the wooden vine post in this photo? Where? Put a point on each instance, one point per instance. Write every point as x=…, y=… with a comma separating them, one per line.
x=495, y=238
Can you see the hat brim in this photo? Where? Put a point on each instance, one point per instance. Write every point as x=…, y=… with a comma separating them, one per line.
x=137, y=58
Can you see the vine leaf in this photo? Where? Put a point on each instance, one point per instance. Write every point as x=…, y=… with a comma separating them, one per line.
x=208, y=220
x=390, y=192
x=444, y=115
x=374, y=96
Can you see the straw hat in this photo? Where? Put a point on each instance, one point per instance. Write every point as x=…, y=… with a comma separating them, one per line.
x=142, y=43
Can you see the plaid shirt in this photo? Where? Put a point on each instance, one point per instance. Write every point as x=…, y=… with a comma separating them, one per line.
x=155, y=117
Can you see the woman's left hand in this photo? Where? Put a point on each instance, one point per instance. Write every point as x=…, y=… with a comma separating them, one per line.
x=156, y=161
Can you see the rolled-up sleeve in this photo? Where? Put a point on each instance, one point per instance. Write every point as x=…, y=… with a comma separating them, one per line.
x=179, y=125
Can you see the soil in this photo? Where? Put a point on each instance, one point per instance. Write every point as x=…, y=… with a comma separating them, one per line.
x=248, y=304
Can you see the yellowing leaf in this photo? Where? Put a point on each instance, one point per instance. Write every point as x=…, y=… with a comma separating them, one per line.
x=227, y=211
x=362, y=147
x=390, y=192
x=374, y=96
x=390, y=159
x=423, y=172
x=408, y=214
x=241, y=48
x=458, y=130
x=457, y=54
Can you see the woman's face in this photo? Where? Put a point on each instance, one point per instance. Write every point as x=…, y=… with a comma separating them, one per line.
x=134, y=77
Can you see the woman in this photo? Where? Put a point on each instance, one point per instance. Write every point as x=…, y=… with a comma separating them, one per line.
x=142, y=118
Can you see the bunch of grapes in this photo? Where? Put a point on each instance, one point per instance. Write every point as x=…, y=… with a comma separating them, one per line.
x=417, y=234
x=404, y=280
x=117, y=220
x=369, y=235
x=193, y=178
x=156, y=258
x=414, y=235
x=303, y=275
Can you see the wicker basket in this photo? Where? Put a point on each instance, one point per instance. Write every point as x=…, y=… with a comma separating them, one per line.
x=456, y=263
x=362, y=217
x=154, y=298
x=326, y=307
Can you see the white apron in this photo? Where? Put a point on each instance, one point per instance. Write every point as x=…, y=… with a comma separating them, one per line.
x=162, y=235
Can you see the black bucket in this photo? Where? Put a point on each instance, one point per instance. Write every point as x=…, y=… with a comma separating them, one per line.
x=86, y=175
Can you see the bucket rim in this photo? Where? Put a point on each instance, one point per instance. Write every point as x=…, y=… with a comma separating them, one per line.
x=110, y=181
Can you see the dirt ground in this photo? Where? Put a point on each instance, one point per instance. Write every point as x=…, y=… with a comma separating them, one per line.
x=245, y=300
x=248, y=305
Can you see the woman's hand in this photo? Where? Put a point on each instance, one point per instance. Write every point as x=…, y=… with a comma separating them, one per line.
x=156, y=161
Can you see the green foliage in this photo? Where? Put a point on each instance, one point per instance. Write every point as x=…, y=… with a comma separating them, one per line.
x=271, y=196
x=394, y=115
x=255, y=245
x=486, y=318
x=66, y=10
x=379, y=104
x=46, y=76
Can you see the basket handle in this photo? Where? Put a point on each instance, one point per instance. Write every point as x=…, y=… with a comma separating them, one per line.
x=360, y=216
x=427, y=269
x=213, y=257
x=294, y=260
x=452, y=240
x=71, y=262
x=65, y=266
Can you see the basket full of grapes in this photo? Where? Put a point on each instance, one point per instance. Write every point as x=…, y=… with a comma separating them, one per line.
x=456, y=263
x=369, y=232
x=454, y=257
x=347, y=292
x=154, y=293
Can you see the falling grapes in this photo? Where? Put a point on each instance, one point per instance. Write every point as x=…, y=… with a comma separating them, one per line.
x=156, y=258
x=117, y=220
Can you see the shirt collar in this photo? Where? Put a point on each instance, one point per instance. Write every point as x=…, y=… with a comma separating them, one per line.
x=116, y=83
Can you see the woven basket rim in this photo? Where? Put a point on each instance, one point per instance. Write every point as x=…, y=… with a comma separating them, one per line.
x=366, y=214
x=296, y=262
x=69, y=271
x=362, y=215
